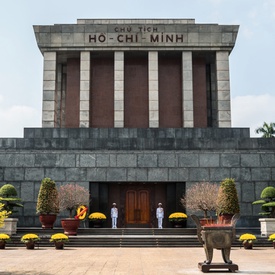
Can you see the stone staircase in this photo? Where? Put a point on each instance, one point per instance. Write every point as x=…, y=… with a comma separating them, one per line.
x=128, y=237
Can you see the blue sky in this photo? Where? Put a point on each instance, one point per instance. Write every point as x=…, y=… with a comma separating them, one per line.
x=251, y=61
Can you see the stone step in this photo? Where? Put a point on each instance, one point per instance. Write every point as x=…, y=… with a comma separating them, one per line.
x=110, y=231
x=128, y=237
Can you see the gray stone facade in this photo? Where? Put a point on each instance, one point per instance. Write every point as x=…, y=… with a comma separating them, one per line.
x=168, y=160
x=94, y=156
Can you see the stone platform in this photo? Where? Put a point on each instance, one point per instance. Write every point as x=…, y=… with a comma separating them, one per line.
x=218, y=267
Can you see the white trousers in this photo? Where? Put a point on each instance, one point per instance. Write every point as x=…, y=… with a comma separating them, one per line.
x=114, y=222
x=160, y=222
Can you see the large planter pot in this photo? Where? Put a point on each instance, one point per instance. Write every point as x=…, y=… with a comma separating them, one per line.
x=10, y=226
x=178, y=224
x=97, y=223
x=2, y=244
x=267, y=226
x=30, y=245
x=59, y=245
x=47, y=220
x=70, y=226
x=248, y=245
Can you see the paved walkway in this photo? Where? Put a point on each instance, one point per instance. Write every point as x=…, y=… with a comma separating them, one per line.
x=127, y=261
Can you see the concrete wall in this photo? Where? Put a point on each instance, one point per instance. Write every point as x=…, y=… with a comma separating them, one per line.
x=143, y=155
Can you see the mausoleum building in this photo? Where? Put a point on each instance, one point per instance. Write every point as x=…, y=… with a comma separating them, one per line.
x=136, y=111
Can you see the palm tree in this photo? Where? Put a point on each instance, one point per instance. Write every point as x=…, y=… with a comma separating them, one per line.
x=267, y=130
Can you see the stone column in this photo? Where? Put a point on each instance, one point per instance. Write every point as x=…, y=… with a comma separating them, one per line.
x=187, y=87
x=223, y=90
x=213, y=85
x=153, y=90
x=84, y=109
x=58, y=95
x=49, y=88
x=119, y=90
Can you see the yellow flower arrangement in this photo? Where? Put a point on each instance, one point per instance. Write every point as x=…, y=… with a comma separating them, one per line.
x=272, y=238
x=5, y=238
x=177, y=216
x=3, y=214
x=29, y=238
x=250, y=238
x=97, y=216
x=59, y=237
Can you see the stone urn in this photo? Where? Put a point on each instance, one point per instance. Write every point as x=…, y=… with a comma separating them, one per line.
x=218, y=236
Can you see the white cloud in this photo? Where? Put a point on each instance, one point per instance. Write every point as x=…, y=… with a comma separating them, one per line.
x=252, y=111
x=14, y=119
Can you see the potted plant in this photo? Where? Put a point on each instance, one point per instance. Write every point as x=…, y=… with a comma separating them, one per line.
x=267, y=203
x=201, y=196
x=177, y=219
x=247, y=240
x=4, y=238
x=47, y=203
x=97, y=219
x=227, y=201
x=10, y=200
x=272, y=238
x=30, y=240
x=59, y=239
x=70, y=197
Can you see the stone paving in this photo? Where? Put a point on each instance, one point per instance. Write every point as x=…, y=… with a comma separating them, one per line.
x=128, y=261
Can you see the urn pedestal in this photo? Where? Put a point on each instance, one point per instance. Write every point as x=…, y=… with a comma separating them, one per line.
x=10, y=226
x=267, y=226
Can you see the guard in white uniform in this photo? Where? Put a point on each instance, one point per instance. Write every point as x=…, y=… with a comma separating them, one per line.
x=160, y=215
x=114, y=215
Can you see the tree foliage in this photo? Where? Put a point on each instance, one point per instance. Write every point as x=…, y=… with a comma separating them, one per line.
x=47, y=201
x=9, y=198
x=227, y=200
x=267, y=202
x=267, y=130
x=71, y=196
x=201, y=196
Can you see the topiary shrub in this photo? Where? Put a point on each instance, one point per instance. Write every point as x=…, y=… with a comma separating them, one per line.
x=47, y=201
x=227, y=200
x=9, y=198
x=267, y=202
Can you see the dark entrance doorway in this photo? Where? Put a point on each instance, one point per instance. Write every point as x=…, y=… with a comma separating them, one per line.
x=136, y=201
x=137, y=207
